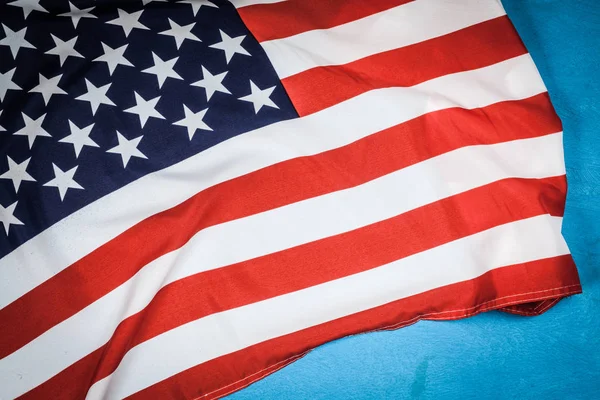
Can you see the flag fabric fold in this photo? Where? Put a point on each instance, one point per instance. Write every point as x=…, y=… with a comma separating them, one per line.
x=194, y=194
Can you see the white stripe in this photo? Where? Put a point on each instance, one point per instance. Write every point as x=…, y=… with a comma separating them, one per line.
x=276, y=230
x=233, y=330
x=87, y=229
x=391, y=29
x=244, y=3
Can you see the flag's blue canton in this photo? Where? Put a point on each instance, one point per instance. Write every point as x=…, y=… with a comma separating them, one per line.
x=95, y=153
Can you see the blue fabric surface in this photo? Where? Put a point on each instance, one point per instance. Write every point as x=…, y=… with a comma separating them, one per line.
x=494, y=355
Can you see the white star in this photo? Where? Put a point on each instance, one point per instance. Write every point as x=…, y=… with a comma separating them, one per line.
x=17, y=173
x=64, y=49
x=1, y=127
x=28, y=6
x=32, y=129
x=193, y=121
x=79, y=137
x=144, y=2
x=77, y=14
x=7, y=216
x=6, y=83
x=63, y=181
x=197, y=4
x=180, y=32
x=114, y=57
x=145, y=109
x=259, y=97
x=230, y=45
x=128, y=21
x=212, y=83
x=163, y=69
x=127, y=148
x=15, y=40
x=48, y=87
x=96, y=96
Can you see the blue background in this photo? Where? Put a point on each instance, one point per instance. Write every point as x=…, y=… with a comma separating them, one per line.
x=494, y=355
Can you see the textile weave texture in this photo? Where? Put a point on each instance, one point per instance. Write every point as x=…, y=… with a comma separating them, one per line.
x=494, y=355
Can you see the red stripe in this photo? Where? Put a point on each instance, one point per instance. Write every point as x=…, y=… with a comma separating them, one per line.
x=533, y=308
x=314, y=263
x=470, y=48
x=272, y=21
x=294, y=180
x=548, y=278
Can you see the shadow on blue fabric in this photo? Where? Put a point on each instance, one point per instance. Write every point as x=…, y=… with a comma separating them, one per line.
x=494, y=355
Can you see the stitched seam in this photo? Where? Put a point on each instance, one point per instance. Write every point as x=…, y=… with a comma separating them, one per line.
x=536, y=311
x=275, y=367
x=521, y=312
x=477, y=309
x=544, y=309
x=516, y=302
x=539, y=305
x=409, y=322
x=484, y=308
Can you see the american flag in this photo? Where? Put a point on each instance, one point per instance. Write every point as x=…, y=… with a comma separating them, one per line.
x=194, y=194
